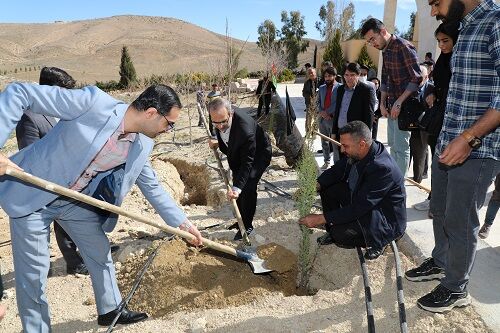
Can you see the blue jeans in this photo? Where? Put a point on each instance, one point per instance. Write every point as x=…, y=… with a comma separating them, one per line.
x=457, y=194
x=491, y=212
x=30, y=247
x=325, y=128
x=399, y=141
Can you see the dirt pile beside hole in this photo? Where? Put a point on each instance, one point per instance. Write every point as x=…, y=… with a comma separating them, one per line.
x=195, y=179
x=183, y=278
x=169, y=178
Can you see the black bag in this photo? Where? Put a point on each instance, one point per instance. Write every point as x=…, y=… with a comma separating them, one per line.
x=411, y=110
x=432, y=121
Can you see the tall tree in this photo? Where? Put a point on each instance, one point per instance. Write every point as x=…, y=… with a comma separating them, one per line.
x=328, y=20
x=128, y=75
x=346, y=22
x=332, y=19
x=408, y=35
x=333, y=52
x=292, y=34
x=268, y=36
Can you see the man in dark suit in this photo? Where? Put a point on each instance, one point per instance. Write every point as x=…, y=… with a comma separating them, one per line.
x=265, y=91
x=363, y=196
x=31, y=128
x=355, y=100
x=248, y=152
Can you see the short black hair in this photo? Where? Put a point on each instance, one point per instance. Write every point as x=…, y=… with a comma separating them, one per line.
x=159, y=96
x=53, y=76
x=374, y=78
x=372, y=24
x=330, y=70
x=307, y=65
x=364, y=67
x=358, y=130
x=353, y=67
x=449, y=29
x=429, y=54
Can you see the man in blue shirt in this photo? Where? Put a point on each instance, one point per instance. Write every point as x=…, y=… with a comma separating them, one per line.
x=467, y=152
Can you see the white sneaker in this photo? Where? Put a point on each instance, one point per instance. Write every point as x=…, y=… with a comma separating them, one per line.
x=422, y=205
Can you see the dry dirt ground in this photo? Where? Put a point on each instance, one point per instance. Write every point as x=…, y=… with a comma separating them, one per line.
x=192, y=290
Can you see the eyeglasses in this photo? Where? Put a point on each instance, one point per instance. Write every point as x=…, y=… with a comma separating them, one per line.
x=170, y=124
x=223, y=122
x=371, y=40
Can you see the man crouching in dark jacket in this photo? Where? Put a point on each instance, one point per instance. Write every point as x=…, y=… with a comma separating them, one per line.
x=363, y=196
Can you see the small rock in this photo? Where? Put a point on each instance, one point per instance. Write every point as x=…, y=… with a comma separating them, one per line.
x=118, y=265
x=7, y=294
x=198, y=326
x=261, y=188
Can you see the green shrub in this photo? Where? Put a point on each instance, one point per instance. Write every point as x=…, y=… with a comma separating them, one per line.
x=286, y=75
x=108, y=86
x=242, y=73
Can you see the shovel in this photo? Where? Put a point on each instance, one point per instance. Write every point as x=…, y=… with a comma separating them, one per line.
x=257, y=264
x=236, y=211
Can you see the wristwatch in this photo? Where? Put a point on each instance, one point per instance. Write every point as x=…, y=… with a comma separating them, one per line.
x=473, y=141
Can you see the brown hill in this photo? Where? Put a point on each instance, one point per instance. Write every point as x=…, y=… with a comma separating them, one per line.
x=90, y=49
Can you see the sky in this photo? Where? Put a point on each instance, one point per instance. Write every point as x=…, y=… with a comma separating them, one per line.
x=243, y=16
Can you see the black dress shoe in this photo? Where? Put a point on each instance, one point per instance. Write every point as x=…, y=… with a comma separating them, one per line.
x=373, y=253
x=326, y=239
x=127, y=317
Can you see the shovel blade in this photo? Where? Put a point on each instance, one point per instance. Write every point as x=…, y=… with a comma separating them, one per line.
x=258, y=265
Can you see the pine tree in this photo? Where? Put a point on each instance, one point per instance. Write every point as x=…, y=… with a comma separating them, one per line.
x=333, y=52
x=128, y=75
x=364, y=58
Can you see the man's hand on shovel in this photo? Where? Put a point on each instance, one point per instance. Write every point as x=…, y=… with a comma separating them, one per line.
x=191, y=228
x=5, y=162
x=232, y=194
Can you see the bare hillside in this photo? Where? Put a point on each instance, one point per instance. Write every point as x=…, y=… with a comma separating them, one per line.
x=90, y=49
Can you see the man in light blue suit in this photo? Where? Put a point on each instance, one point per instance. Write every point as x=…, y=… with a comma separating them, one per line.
x=100, y=147
x=327, y=98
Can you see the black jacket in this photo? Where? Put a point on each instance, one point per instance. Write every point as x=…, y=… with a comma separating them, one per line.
x=378, y=201
x=32, y=127
x=249, y=149
x=361, y=107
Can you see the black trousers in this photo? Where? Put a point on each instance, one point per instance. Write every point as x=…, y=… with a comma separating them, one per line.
x=418, y=152
x=347, y=234
x=264, y=100
x=67, y=247
x=247, y=201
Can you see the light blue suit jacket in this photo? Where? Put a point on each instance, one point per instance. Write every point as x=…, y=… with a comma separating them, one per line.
x=88, y=117
x=322, y=96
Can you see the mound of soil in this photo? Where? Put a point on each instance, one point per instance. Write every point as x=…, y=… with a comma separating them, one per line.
x=183, y=278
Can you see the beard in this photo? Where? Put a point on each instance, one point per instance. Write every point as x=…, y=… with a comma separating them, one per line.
x=329, y=82
x=455, y=12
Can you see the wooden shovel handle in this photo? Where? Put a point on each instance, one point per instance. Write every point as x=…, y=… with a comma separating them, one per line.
x=411, y=181
x=112, y=208
x=328, y=138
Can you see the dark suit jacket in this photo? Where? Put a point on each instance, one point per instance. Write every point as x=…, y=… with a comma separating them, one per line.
x=249, y=149
x=361, y=107
x=378, y=200
x=32, y=127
